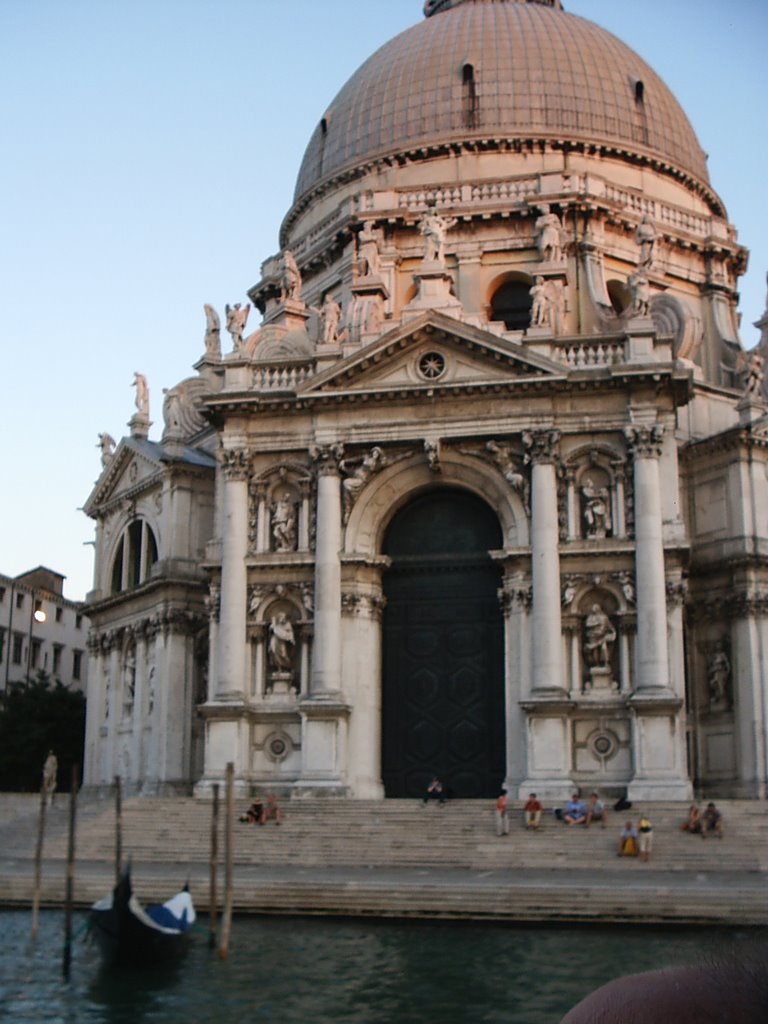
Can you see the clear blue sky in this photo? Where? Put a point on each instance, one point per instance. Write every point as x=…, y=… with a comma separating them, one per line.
x=150, y=149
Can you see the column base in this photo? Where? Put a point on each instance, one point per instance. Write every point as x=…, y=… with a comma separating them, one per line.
x=659, y=789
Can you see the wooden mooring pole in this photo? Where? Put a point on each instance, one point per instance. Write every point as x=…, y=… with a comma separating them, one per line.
x=226, y=917
x=118, y=827
x=70, y=888
x=39, y=856
x=214, y=865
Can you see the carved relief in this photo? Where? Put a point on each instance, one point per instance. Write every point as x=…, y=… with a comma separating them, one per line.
x=235, y=463
x=541, y=445
x=358, y=472
x=645, y=442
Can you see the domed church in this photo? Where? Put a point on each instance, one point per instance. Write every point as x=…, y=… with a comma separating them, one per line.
x=484, y=494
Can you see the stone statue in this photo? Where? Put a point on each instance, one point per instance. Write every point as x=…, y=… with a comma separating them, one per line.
x=432, y=452
x=212, y=331
x=281, y=643
x=568, y=593
x=330, y=318
x=599, y=637
x=434, y=227
x=639, y=293
x=284, y=524
x=548, y=235
x=372, y=461
x=107, y=445
x=290, y=286
x=50, y=774
x=718, y=676
x=172, y=410
x=645, y=238
x=539, y=303
x=237, y=317
x=368, y=260
x=510, y=470
x=129, y=680
x=142, y=394
x=755, y=374
x=597, y=510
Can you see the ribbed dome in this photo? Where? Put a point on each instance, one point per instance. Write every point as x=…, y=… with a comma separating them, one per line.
x=504, y=70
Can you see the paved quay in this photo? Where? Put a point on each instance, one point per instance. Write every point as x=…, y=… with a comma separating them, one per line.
x=400, y=859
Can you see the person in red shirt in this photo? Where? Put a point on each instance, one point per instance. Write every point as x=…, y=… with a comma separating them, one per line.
x=502, y=818
x=532, y=812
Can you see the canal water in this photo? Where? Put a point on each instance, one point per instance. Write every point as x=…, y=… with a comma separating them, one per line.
x=313, y=971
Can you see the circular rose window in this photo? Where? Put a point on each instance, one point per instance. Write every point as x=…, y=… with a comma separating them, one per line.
x=432, y=366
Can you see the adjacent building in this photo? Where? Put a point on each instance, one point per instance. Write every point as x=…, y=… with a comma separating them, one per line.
x=485, y=493
x=41, y=631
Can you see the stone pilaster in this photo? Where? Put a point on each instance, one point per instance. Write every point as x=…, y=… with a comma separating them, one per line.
x=230, y=679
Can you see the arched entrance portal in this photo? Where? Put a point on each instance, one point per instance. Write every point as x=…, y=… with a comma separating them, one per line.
x=443, y=671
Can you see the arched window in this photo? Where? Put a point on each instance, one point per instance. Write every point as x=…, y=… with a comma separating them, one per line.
x=512, y=302
x=135, y=555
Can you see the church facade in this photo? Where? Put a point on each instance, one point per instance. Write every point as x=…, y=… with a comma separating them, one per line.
x=485, y=494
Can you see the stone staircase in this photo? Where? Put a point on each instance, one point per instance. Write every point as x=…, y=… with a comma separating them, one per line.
x=399, y=857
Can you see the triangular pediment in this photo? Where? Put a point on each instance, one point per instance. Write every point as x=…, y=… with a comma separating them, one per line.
x=133, y=466
x=432, y=352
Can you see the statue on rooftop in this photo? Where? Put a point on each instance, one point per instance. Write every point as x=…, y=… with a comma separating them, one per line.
x=639, y=293
x=107, y=445
x=549, y=232
x=237, y=317
x=368, y=259
x=330, y=319
x=212, y=331
x=645, y=238
x=434, y=227
x=290, y=286
x=142, y=394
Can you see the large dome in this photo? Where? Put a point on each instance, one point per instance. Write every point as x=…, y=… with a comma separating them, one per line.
x=501, y=71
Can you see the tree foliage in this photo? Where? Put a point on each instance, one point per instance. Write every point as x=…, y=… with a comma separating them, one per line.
x=35, y=717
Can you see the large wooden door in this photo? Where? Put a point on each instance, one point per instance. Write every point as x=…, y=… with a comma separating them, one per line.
x=443, y=688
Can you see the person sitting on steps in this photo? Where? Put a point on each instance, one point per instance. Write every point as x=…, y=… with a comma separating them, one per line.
x=435, y=791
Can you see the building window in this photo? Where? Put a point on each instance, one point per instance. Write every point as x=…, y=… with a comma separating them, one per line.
x=77, y=664
x=2, y=644
x=2, y=594
x=136, y=554
x=18, y=644
x=59, y=614
x=19, y=600
x=34, y=653
x=57, y=649
x=78, y=622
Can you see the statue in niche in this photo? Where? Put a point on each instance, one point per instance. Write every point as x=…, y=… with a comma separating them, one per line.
x=597, y=509
x=281, y=643
x=549, y=233
x=129, y=680
x=599, y=636
x=645, y=238
x=107, y=445
x=290, y=285
x=330, y=319
x=212, y=331
x=284, y=523
x=368, y=260
x=434, y=227
x=142, y=394
x=639, y=293
x=237, y=317
x=718, y=676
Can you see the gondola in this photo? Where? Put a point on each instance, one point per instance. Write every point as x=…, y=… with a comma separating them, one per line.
x=128, y=933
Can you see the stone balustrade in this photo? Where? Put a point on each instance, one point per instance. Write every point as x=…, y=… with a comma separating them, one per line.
x=282, y=376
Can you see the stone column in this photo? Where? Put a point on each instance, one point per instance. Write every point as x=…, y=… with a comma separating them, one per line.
x=547, y=651
x=658, y=734
x=326, y=662
x=231, y=660
x=652, y=662
x=515, y=597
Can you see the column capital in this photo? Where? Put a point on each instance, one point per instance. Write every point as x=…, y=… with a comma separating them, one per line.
x=235, y=463
x=541, y=445
x=327, y=458
x=644, y=442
